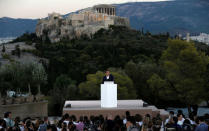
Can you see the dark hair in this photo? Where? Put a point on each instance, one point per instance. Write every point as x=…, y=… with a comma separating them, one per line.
x=45, y=118
x=179, y=114
x=148, y=115
x=201, y=118
x=73, y=118
x=127, y=113
x=66, y=116
x=81, y=118
x=28, y=123
x=186, y=121
x=171, y=112
x=138, y=117
x=6, y=114
x=175, y=119
x=1, y=122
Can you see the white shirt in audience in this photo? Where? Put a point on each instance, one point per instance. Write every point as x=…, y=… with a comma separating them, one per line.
x=180, y=122
x=124, y=121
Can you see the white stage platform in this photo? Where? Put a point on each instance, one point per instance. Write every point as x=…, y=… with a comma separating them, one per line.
x=96, y=104
x=88, y=108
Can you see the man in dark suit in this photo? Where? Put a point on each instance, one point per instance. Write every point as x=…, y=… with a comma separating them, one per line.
x=108, y=77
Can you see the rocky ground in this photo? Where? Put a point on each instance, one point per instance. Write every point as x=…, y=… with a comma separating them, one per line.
x=7, y=56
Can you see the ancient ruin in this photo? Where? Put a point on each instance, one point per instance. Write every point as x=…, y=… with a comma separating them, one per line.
x=85, y=22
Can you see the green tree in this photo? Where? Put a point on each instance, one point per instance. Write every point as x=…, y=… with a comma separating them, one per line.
x=68, y=90
x=28, y=69
x=184, y=70
x=3, y=48
x=90, y=89
x=39, y=76
x=140, y=73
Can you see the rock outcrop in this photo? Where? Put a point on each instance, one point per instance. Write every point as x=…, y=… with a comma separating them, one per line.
x=86, y=22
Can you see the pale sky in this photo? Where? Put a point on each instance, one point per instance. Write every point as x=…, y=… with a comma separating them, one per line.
x=41, y=8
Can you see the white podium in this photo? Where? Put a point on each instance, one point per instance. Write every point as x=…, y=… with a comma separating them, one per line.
x=108, y=94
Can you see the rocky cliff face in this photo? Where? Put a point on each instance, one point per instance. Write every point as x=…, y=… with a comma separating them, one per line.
x=86, y=22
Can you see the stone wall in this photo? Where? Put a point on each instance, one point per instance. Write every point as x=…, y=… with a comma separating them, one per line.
x=35, y=109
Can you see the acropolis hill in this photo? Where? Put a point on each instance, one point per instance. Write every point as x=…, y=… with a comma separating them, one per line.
x=85, y=22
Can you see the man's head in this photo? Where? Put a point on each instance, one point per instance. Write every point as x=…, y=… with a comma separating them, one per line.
x=201, y=119
x=171, y=113
x=7, y=115
x=107, y=73
x=180, y=117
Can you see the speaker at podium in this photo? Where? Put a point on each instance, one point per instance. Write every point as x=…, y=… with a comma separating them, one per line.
x=108, y=94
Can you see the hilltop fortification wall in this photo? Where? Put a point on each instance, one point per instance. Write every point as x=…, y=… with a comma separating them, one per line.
x=86, y=22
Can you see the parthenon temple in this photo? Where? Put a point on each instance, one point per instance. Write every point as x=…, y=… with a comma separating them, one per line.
x=106, y=9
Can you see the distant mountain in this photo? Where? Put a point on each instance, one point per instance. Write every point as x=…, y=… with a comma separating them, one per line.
x=10, y=27
x=178, y=16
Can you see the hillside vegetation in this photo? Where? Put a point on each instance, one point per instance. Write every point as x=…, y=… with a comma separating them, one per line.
x=145, y=67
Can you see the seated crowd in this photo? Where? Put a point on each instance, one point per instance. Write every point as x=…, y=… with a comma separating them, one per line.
x=176, y=122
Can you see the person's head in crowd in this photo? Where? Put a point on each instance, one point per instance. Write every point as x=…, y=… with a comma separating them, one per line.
x=127, y=113
x=147, y=115
x=85, y=119
x=197, y=120
x=46, y=119
x=26, y=119
x=175, y=119
x=117, y=118
x=81, y=119
x=180, y=116
x=71, y=126
x=64, y=126
x=147, y=118
x=109, y=117
x=17, y=121
x=101, y=119
x=132, y=120
x=29, y=124
x=171, y=113
x=179, y=112
x=66, y=116
x=191, y=116
x=201, y=119
x=8, y=115
x=206, y=118
x=138, y=118
x=73, y=118
x=41, y=122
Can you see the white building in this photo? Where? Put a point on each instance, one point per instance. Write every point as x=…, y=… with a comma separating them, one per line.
x=203, y=37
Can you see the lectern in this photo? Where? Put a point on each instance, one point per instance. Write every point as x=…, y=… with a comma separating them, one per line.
x=108, y=94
